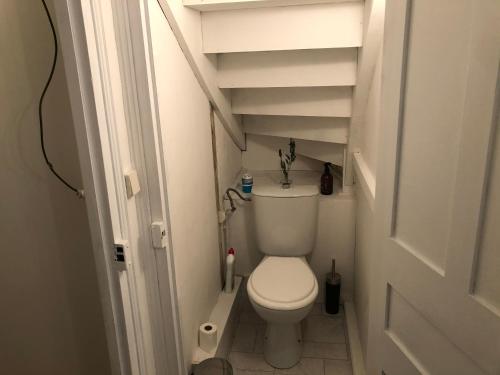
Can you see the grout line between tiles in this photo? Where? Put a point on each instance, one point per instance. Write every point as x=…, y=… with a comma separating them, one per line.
x=345, y=344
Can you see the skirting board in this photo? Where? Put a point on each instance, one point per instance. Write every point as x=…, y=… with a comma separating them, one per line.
x=224, y=315
x=358, y=364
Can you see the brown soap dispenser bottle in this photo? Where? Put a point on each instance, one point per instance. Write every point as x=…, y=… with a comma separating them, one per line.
x=327, y=181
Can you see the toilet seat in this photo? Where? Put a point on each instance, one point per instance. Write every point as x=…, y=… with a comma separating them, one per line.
x=283, y=283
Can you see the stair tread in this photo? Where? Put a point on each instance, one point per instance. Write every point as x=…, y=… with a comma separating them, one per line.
x=299, y=68
x=331, y=25
x=296, y=101
x=323, y=129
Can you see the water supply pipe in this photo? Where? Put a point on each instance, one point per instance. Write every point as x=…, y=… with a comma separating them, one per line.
x=231, y=202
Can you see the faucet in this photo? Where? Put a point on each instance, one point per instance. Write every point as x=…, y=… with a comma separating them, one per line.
x=233, y=207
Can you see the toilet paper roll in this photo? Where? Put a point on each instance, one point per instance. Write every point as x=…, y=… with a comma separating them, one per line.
x=208, y=336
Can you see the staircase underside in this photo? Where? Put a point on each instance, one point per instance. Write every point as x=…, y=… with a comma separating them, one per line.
x=331, y=25
x=289, y=66
x=322, y=129
x=214, y=5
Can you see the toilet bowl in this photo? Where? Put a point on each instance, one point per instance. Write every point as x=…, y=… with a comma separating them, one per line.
x=282, y=291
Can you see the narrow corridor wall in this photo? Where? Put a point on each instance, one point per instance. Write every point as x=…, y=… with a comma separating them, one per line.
x=188, y=155
x=51, y=318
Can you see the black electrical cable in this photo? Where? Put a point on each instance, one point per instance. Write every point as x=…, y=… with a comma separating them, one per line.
x=79, y=193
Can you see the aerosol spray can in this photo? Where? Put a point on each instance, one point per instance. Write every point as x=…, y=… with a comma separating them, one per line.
x=246, y=183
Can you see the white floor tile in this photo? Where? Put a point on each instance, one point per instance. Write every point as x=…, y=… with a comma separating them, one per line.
x=244, y=339
x=245, y=304
x=338, y=367
x=249, y=361
x=325, y=346
x=317, y=309
x=324, y=350
x=306, y=366
x=321, y=328
x=259, y=340
x=250, y=372
x=250, y=317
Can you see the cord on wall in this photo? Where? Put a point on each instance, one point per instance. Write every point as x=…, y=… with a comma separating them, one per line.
x=78, y=192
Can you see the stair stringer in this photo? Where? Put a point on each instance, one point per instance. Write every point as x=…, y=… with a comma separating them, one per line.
x=373, y=31
x=186, y=25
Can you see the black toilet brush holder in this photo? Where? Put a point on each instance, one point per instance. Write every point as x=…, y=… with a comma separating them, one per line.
x=332, y=291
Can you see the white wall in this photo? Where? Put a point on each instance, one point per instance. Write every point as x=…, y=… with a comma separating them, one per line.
x=229, y=158
x=51, y=319
x=262, y=155
x=364, y=257
x=187, y=145
x=371, y=124
x=335, y=239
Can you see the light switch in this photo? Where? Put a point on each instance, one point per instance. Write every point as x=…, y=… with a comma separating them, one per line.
x=132, y=184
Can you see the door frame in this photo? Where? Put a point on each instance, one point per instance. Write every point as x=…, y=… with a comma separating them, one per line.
x=140, y=308
x=393, y=70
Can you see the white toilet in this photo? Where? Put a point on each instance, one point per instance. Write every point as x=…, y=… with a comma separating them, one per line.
x=283, y=288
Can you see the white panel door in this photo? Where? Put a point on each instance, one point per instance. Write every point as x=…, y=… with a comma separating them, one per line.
x=438, y=191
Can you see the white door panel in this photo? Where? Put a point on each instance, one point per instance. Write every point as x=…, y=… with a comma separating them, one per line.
x=438, y=190
x=435, y=88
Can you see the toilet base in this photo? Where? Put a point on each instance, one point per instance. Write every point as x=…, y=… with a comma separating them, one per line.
x=283, y=345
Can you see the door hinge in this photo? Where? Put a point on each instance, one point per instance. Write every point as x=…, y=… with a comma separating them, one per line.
x=159, y=235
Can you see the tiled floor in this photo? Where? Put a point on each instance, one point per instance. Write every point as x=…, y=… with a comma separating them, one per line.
x=325, y=345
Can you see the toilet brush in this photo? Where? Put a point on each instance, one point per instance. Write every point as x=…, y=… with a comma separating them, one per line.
x=332, y=291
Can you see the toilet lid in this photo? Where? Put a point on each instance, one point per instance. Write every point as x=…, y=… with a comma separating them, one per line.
x=284, y=283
